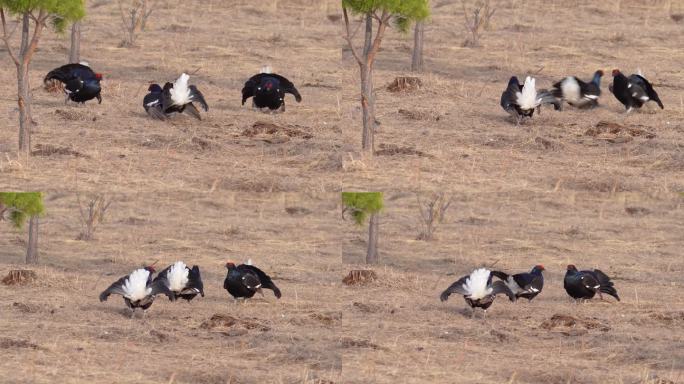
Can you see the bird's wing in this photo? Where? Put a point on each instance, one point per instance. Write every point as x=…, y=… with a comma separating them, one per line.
x=250, y=86
x=251, y=281
x=287, y=86
x=163, y=274
x=546, y=97
x=587, y=279
x=115, y=289
x=647, y=87
x=195, y=281
x=196, y=95
x=192, y=111
x=160, y=285
x=529, y=283
x=501, y=287
x=265, y=279
x=501, y=275
x=456, y=287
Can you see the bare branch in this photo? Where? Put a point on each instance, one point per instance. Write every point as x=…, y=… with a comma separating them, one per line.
x=349, y=36
x=6, y=36
x=40, y=23
x=378, y=38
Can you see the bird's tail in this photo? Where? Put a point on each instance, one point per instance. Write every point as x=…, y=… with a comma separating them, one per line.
x=527, y=98
x=195, y=281
x=606, y=286
x=501, y=275
x=266, y=69
x=58, y=74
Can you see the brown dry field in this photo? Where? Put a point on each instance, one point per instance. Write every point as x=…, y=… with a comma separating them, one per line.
x=546, y=192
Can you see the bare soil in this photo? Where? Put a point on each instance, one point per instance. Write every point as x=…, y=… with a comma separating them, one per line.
x=599, y=189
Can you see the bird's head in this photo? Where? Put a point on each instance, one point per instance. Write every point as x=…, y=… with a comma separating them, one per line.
x=616, y=72
x=230, y=264
x=98, y=76
x=150, y=269
x=598, y=73
x=514, y=80
x=571, y=267
x=154, y=88
x=539, y=268
x=268, y=86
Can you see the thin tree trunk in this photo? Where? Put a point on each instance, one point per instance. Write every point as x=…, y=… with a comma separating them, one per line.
x=373, y=227
x=75, y=51
x=417, y=60
x=24, y=109
x=367, y=142
x=32, y=249
x=367, y=103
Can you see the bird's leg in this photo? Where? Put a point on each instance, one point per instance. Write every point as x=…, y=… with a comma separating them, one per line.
x=484, y=315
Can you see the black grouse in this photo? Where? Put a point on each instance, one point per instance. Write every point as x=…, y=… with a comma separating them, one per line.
x=578, y=93
x=184, y=282
x=268, y=91
x=138, y=289
x=585, y=284
x=526, y=285
x=174, y=97
x=152, y=102
x=633, y=91
x=477, y=289
x=80, y=82
x=520, y=100
x=244, y=280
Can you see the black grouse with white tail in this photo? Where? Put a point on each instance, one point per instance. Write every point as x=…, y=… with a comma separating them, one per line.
x=521, y=100
x=184, y=282
x=268, y=91
x=633, y=91
x=586, y=284
x=477, y=289
x=176, y=97
x=138, y=289
x=578, y=93
x=527, y=285
x=244, y=280
x=81, y=83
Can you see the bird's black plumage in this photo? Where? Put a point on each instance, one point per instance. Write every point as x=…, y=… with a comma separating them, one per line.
x=578, y=93
x=585, y=284
x=243, y=281
x=268, y=91
x=633, y=91
x=81, y=83
x=482, y=298
x=156, y=287
x=514, y=102
x=192, y=288
x=152, y=102
x=526, y=285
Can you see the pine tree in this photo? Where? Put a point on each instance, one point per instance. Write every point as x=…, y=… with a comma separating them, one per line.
x=403, y=13
x=18, y=207
x=361, y=205
x=38, y=13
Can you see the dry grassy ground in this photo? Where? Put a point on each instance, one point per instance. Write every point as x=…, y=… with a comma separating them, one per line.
x=553, y=191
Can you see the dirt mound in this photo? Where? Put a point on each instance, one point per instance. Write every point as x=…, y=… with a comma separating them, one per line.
x=232, y=326
x=360, y=277
x=348, y=342
x=392, y=150
x=19, y=277
x=419, y=115
x=616, y=133
x=7, y=343
x=275, y=134
x=405, y=84
x=75, y=115
x=573, y=326
x=48, y=150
